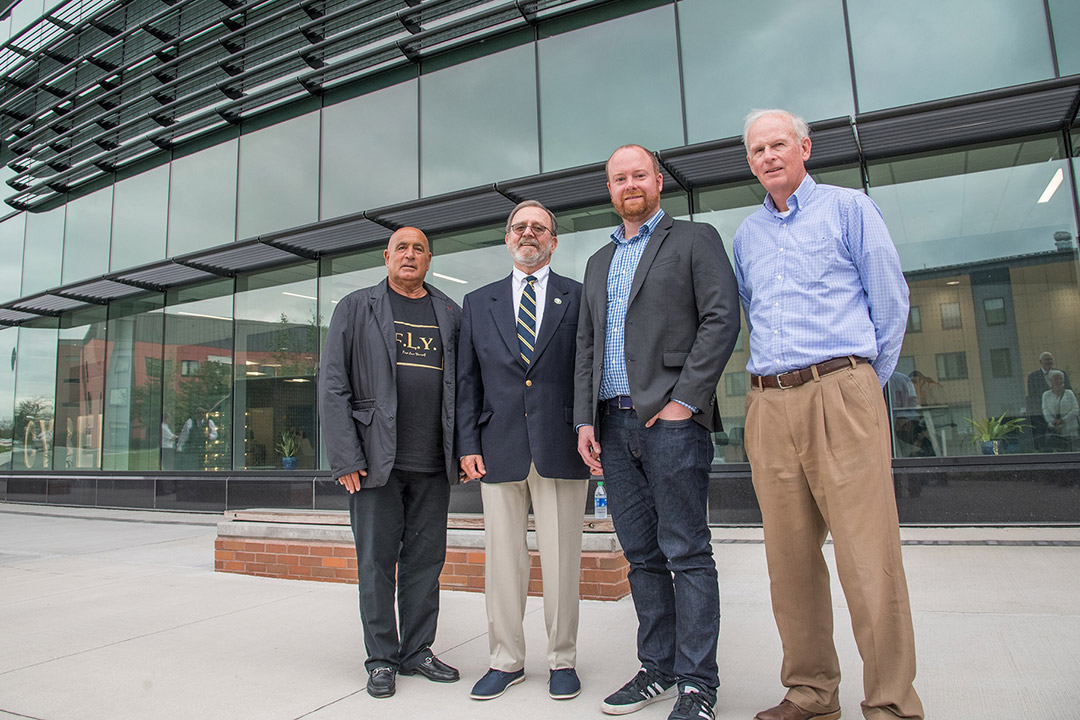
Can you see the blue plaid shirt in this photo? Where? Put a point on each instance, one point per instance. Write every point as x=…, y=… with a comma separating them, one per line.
x=823, y=281
x=614, y=380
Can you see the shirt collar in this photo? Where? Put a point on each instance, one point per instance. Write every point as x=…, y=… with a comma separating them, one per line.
x=619, y=236
x=541, y=275
x=800, y=197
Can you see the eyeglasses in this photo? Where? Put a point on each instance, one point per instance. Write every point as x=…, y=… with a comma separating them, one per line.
x=538, y=230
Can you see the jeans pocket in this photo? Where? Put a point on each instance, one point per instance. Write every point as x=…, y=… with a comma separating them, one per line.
x=674, y=424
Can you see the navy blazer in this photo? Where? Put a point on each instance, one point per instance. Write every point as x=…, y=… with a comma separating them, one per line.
x=510, y=413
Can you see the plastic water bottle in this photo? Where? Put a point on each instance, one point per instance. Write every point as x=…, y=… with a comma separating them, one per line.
x=600, y=501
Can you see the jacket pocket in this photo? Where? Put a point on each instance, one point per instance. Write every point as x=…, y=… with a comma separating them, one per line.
x=675, y=359
x=568, y=413
x=484, y=417
x=363, y=410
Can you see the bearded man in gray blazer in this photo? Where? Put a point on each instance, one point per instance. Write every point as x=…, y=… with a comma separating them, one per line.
x=659, y=319
x=515, y=400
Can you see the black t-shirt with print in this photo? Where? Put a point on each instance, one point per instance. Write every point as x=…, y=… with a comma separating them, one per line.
x=419, y=384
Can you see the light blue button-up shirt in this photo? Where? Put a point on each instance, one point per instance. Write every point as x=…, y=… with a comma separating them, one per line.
x=613, y=379
x=820, y=281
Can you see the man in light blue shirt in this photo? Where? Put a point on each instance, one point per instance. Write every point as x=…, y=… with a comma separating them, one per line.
x=826, y=304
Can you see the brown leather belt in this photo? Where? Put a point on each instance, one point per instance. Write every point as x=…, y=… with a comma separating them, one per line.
x=795, y=378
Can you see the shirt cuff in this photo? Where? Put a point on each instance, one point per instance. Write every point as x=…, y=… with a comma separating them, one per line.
x=690, y=407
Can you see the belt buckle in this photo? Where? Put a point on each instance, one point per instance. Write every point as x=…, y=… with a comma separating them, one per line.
x=780, y=383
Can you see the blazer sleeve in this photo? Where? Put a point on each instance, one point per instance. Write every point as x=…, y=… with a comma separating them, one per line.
x=470, y=396
x=344, y=449
x=717, y=297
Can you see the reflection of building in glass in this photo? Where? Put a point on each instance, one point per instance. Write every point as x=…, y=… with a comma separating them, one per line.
x=189, y=197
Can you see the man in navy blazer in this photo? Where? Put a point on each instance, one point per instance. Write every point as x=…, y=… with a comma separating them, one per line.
x=515, y=433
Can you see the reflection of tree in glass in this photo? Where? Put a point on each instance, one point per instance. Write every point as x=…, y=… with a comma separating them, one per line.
x=34, y=417
x=294, y=347
x=195, y=401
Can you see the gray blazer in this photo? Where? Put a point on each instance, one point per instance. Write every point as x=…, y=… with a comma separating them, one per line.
x=358, y=384
x=682, y=321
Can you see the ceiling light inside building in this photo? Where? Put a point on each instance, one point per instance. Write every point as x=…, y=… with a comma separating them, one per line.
x=1052, y=186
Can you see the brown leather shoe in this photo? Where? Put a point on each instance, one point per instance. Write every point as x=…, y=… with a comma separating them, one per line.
x=788, y=710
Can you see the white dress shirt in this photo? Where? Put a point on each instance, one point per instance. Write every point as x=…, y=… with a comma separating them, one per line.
x=540, y=287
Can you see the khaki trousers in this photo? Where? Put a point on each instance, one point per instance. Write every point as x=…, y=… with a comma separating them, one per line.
x=821, y=463
x=559, y=512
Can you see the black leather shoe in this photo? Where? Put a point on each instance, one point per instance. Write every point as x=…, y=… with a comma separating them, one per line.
x=380, y=683
x=434, y=669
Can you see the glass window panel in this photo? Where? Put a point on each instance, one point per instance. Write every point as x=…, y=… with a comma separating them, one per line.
x=80, y=376
x=926, y=49
x=43, y=252
x=86, y=236
x=950, y=316
x=378, y=166
x=719, y=36
x=199, y=327
x=996, y=238
x=35, y=392
x=914, y=321
x=279, y=177
x=630, y=93
x=952, y=366
x=1065, y=16
x=735, y=384
x=1001, y=362
x=478, y=122
x=134, y=431
x=9, y=338
x=202, y=199
x=277, y=355
x=994, y=309
x=11, y=249
x=25, y=14
x=140, y=217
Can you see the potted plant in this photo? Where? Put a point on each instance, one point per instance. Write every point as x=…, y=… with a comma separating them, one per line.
x=991, y=433
x=288, y=446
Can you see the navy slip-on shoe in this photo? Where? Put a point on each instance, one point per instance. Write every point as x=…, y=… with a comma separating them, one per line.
x=564, y=684
x=495, y=683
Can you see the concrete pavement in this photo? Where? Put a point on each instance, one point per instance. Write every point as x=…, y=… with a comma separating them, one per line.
x=118, y=614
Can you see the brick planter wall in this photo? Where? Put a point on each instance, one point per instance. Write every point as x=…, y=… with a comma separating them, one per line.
x=321, y=549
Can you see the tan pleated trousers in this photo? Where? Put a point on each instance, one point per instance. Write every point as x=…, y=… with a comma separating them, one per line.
x=559, y=514
x=821, y=463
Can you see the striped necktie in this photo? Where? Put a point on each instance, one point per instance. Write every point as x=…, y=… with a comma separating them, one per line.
x=526, y=320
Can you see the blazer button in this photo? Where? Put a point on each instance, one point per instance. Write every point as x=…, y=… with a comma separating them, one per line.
x=528, y=383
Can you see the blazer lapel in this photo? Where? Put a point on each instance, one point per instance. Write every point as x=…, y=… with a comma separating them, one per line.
x=504, y=315
x=384, y=315
x=554, y=309
x=655, y=241
x=598, y=291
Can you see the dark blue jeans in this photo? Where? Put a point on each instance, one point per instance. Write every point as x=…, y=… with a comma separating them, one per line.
x=657, y=480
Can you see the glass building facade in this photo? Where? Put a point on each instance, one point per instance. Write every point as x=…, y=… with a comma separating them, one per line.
x=192, y=187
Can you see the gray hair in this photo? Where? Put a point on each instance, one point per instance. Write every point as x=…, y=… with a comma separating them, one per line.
x=802, y=130
x=1053, y=374
x=535, y=204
